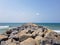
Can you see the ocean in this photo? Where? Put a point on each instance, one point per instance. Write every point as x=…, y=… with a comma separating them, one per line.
x=6, y=26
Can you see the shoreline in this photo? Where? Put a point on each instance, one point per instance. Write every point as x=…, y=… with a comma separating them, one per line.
x=58, y=31
x=7, y=27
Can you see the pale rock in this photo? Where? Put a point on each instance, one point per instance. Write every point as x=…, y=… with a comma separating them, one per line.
x=28, y=41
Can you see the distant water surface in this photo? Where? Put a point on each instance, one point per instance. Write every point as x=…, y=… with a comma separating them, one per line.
x=4, y=26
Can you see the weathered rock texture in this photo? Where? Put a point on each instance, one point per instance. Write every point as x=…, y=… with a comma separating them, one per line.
x=30, y=34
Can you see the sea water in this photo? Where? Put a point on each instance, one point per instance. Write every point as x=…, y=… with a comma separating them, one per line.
x=5, y=26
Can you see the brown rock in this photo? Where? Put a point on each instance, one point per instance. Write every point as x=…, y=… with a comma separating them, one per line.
x=10, y=42
x=38, y=40
x=3, y=36
x=28, y=41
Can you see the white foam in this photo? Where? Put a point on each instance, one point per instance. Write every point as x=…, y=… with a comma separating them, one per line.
x=4, y=27
x=57, y=30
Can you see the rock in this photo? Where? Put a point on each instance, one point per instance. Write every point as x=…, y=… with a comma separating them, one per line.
x=43, y=41
x=24, y=37
x=38, y=40
x=48, y=44
x=51, y=35
x=7, y=33
x=14, y=32
x=35, y=33
x=28, y=41
x=12, y=35
x=30, y=26
x=56, y=44
x=3, y=43
x=21, y=36
x=14, y=28
x=10, y=42
x=40, y=26
x=2, y=37
x=23, y=31
x=30, y=34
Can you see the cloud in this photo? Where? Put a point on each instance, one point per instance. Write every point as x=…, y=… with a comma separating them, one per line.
x=37, y=13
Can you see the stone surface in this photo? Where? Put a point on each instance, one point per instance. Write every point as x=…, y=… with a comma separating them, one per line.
x=28, y=41
x=2, y=37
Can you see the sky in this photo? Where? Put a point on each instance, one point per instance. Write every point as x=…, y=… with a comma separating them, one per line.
x=37, y=11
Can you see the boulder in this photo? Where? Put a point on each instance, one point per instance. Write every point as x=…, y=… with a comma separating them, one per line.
x=28, y=41
x=3, y=43
x=38, y=40
x=2, y=37
x=24, y=37
x=10, y=42
x=51, y=34
x=12, y=35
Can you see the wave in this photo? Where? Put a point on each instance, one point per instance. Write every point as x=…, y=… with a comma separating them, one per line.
x=57, y=31
x=4, y=27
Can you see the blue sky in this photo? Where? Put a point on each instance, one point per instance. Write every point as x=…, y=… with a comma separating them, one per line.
x=46, y=11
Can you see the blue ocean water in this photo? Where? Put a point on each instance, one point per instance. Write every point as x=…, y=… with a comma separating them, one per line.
x=53, y=26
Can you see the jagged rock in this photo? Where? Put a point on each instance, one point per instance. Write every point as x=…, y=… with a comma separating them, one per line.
x=10, y=42
x=23, y=37
x=12, y=35
x=38, y=40
x=51, y=34
x=15, y=29
x=2, y=37
x=28, y=41
x=30, y=34
x=8, y=32
x=3, y=43
x=30, y=26
x=24, y=32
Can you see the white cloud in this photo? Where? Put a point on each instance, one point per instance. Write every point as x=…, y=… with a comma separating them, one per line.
x=37, y=13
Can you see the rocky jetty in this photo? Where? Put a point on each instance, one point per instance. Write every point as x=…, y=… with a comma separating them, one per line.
x=30, y=34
